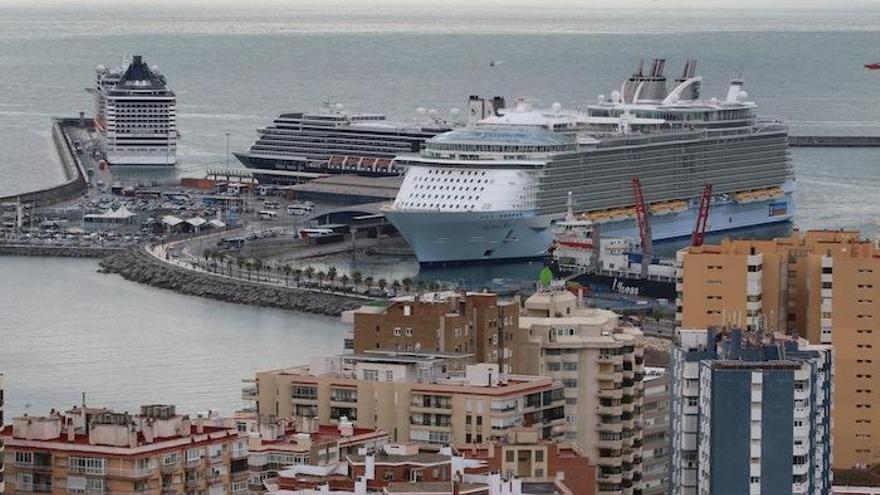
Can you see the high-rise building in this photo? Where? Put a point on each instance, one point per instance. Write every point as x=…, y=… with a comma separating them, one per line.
x=477, y=323
x=751, y=413
x=136, y=113
x=821, y=285
x=655, y=425
x=2, y=457
x=413, y=396
x=601, y=366
x=98, y=451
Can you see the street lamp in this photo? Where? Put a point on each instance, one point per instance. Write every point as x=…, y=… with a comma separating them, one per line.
x=227, y=149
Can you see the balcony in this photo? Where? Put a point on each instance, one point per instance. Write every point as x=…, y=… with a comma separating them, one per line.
x=132, y=474
x=31, y=487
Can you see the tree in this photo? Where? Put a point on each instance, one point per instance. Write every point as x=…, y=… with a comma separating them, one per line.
x=344, y=280
x=309, y=272
x=357, y=278
x=240, y=262
x=258, y=266
x=395, y=285
x=286, y=270
x=331, y=274
x=407, y=283
x=368, y=282
x=297, y=275
x=382, y=283
x=320, y=275
x=207, y=253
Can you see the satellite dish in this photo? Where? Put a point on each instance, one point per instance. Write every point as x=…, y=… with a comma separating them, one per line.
x=615, y=96
x=339, y=106
x=556, y=106
x=421, y=110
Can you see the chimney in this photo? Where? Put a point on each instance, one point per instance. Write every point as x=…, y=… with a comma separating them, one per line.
x=370, y=467
x=71, y=430
x=200, y=424
x=148, y=431
x=132, y=436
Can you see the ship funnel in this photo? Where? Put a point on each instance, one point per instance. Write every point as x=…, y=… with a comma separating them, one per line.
x=692, y=91
x=630, y=85
x=734, y=91
x=479, y=108
x=653, y=86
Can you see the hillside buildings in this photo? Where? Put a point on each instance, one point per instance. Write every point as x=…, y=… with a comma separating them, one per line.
x=414, y=396
x=477, y=323
x=600, y=364
x=90, y=451
x=821, y=285
x=750, y=414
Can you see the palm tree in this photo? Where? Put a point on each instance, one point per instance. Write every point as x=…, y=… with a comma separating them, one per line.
x=331, y=274
x=207, y=253
x=297, y=275
x=368, y=282
x=395, y=285
x=407, y=283
x=240, y=262
x=435, y=286
x=382, y=284
x=344, y=280
x=309, y=272
x=320, y=275
x=357, y=278
x=258, y=266
x=286, y=270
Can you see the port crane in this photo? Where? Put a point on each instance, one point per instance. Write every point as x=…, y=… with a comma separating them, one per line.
x=699, y=233
x=644, y=225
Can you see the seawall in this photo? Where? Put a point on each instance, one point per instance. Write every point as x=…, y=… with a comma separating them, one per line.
x=75, y=175
x=56, y=251
x=138, y=266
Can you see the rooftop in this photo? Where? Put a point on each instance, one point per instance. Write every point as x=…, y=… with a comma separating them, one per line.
x=504, y=135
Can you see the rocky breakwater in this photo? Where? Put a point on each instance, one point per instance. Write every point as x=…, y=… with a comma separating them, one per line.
x=138, y=266
x=58, y=251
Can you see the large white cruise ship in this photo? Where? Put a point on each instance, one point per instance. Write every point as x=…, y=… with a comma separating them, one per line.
x=136, y=114
x=491, y=191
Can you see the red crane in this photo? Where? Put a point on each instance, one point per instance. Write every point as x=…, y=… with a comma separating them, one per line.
x=644, y=225
x=699, y=233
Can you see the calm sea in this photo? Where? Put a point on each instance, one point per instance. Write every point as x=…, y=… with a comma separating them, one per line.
x=65, y=329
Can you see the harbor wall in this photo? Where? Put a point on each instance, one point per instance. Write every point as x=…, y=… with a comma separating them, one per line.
x=75, y=175
x=835, y=141
x=14, y=249
x=138, y=266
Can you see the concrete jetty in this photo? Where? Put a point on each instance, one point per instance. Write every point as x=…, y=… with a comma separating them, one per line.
x=835, y=141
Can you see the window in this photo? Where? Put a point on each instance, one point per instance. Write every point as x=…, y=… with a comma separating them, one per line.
x=539, y=456
x=389, y=376
x=509, y=456
x=371, y=375
x=86, y=465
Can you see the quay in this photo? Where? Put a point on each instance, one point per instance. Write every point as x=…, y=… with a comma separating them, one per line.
x=834, y=141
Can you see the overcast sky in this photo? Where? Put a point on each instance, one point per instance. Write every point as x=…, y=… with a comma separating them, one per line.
x=539, y=4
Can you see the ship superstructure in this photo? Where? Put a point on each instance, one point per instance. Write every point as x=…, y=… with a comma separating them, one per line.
x=136, y=114
x=332, y=140
x=492, y=191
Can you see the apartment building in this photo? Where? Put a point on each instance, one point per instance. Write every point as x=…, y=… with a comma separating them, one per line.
x=750, y=414
x=821, y=285
x=97, y=451
x=655, y=424
x=476, y=323
x=600, y=364
x=277, y=445
x=534, y=461
x=413, y=396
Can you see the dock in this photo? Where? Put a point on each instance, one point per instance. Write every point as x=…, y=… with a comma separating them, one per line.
x=835, y=141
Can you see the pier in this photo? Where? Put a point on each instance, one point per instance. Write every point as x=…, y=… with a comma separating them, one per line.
x=835, y=141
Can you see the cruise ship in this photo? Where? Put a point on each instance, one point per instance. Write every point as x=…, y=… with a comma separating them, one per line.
x=332, y=140
x=135, y=112
x=492, y=191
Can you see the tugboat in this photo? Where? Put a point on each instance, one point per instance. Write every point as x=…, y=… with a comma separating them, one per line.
x=579, y=254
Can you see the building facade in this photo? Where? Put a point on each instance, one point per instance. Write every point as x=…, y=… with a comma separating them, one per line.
x=601, y=366
x=98, y=451
x=655, y=424
x=750, y=414
x=412, y=396
x=821, y=285
x=477, y=323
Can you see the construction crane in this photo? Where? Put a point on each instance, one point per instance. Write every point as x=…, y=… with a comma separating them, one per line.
x=702, y=224
x=644, y=225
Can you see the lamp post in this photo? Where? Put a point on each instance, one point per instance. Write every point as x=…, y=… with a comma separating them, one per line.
x=227, y=149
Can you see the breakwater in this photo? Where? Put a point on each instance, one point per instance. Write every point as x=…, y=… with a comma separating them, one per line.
x=13, y=249
x=138, y=266
x=76, y=179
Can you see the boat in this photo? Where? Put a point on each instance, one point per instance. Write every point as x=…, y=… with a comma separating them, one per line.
x=136, y=115
x=579, y=254
x=331, y=140
x=493, y=190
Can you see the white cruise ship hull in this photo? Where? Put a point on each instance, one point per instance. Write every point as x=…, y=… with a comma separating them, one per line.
x=441, y=237
x=142, y=159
